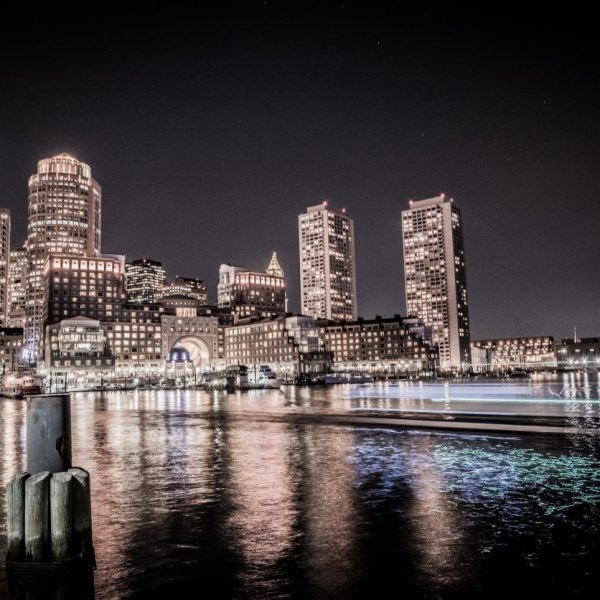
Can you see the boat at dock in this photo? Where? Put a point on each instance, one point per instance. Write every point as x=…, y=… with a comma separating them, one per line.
x=19, y=385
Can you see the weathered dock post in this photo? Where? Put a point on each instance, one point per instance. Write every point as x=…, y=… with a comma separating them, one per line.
x=49, y=512
x=49, y=433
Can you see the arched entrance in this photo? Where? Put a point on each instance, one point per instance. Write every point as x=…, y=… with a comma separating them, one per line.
x=198, y=350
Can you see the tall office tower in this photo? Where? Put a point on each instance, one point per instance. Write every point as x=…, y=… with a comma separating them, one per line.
x=64, y=218
x=434, y=274
x=17, y=287
x=327, y=263
x=145, y=280
x=4, y=264
x=248, y=294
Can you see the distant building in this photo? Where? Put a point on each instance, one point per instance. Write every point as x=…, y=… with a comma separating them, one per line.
x=377, y=345
x=189, y=287
x=435, y=276
x=64, y=218
x=327, y=263
x=290, y=346
x=4, y=265
x=516, y=353
x=17, y=287
x=146, y=279
x=250, y=294
x=579, y=352
x=11, y=345
x=80, y=286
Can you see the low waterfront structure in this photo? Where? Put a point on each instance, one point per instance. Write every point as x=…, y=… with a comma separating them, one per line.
x=579, y=353
x=385, y=346
x=530, y=353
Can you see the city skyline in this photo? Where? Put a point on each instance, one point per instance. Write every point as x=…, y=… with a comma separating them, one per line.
x=177, y=151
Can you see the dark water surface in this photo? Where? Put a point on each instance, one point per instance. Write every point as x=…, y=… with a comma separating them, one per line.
x=200, y=488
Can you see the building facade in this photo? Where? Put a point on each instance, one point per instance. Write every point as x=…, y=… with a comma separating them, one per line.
x=435, y=276
x=64, y=217
x=248, y=294
x=146, y=279
x=4, y=265
x=327, y=263
x=17, y=287
x=88, y=287
x=290, y=346
x=377, y=345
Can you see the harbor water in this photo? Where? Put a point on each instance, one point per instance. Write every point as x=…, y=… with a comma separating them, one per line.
x=258, y=495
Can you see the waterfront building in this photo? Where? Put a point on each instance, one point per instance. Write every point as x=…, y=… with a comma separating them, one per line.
x=327, y=263
x=383, y=346
x=250, y=294
x=87, y=287
x=17, y=287
x=64, y=217
x=514, y=353
x=189, y=287
x=290, y=346
x=4, y=265
x=578, y=353
x=76, y=354
x=11, y=345
x=435, y=276
x=146, y=279
x=198, y=335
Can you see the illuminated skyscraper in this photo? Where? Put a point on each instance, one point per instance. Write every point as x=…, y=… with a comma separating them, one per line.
x=146, y=279
x=64, y=218
x=435, y=278
x=4, y=264
x=327, y=263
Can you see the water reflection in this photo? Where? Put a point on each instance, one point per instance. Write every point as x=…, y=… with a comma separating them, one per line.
x=207, y=489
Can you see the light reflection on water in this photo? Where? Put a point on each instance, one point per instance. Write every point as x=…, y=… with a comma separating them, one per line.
x=189, y=486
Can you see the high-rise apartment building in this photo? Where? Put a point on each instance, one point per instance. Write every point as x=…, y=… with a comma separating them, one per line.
x=17, y=287
x=4, y=264
x=248, y=294
x=327, y=263
x=146, y=279
x=64, y=218
x=435, y=278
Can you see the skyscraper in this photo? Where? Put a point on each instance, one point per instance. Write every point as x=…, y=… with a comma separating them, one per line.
x=4, y=264
x=327, y=263
x=64, y=218
x=434, y=274
x=145, y=280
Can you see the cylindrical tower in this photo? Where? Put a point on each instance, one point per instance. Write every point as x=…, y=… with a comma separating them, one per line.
x=63, y=218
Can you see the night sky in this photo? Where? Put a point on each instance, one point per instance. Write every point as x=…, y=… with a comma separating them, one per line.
x=211, y=130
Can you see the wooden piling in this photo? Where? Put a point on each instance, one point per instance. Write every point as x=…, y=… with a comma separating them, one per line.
x=82, y=514
x=37, y=516
x=15, y=521
x=60, y=517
